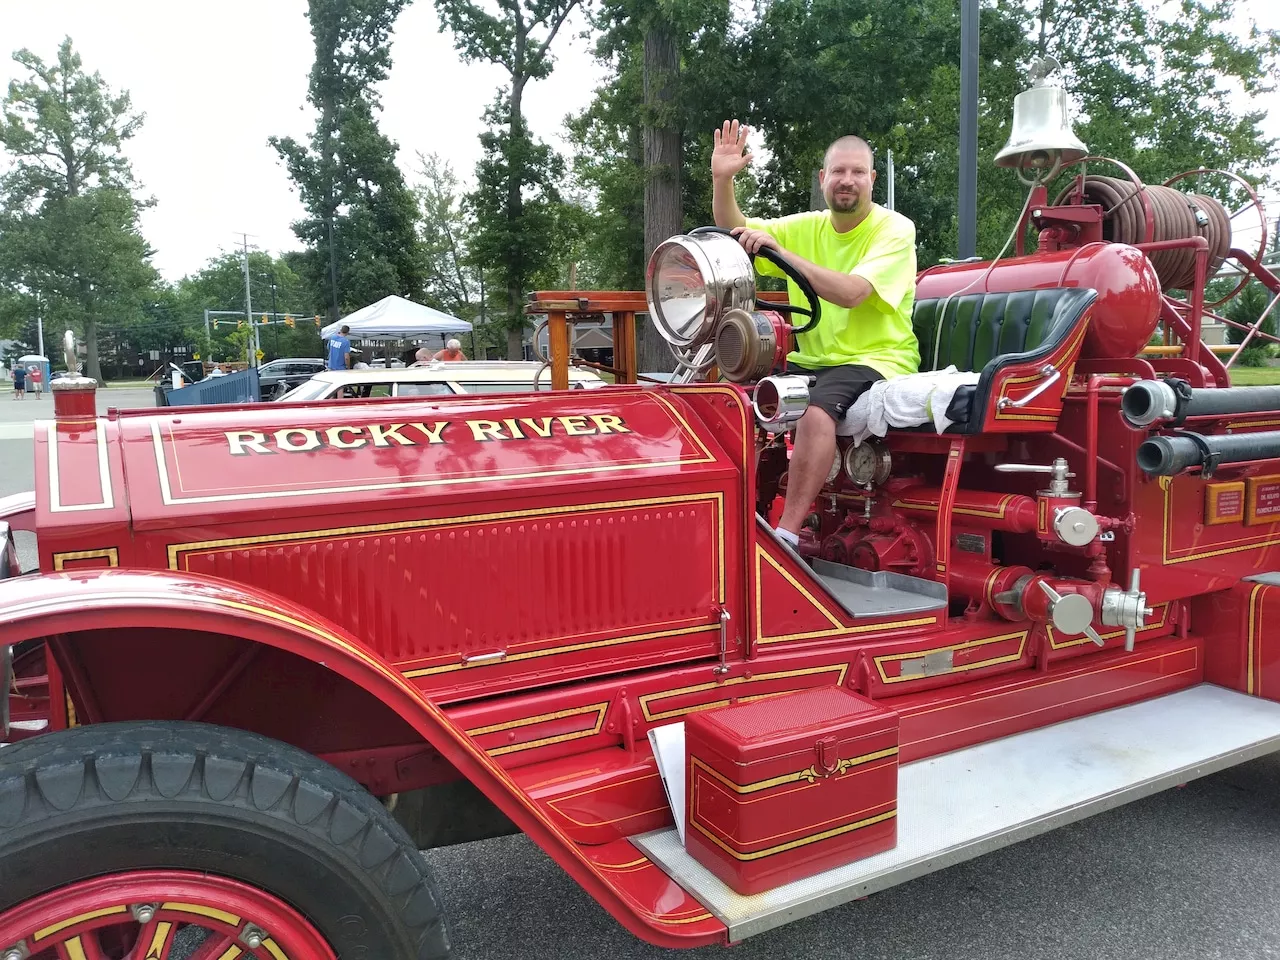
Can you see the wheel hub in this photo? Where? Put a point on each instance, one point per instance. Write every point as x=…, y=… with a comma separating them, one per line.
x=158, y=915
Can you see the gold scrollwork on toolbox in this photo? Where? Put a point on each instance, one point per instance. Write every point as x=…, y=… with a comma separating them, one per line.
x=1020, y=636
x=809, y=774
x=793, y=844
x=650, y=714
x=110, y=554
x=599, y=709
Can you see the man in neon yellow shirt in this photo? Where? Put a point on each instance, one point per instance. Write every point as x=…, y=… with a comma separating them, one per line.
x=861, y=261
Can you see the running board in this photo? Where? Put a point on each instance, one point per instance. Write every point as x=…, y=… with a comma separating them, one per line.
x=864, y=593
x=960, y=805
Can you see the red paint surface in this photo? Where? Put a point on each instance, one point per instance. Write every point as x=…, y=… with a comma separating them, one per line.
x=816, y=777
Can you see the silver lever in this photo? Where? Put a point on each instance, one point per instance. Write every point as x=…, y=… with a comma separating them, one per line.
x=1048, y=370
x=1059, y=469
x=1072, y=614
x=1126, y=608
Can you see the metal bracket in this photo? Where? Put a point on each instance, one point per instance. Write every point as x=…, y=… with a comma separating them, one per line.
x=723, y=667
x=930, y=665
x=1048, y=370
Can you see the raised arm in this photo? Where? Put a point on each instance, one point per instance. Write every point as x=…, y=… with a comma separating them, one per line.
x=727, y=161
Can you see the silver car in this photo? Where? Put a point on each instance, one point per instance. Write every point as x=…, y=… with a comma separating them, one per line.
x=436, y=377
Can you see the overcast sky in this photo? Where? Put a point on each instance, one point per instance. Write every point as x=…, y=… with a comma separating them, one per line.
x=215, y=80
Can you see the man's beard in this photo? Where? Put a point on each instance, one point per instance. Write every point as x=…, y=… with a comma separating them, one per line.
x=844, y=203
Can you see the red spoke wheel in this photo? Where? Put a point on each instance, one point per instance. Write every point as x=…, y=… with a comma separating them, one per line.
x=185, y=841
x=160, y=915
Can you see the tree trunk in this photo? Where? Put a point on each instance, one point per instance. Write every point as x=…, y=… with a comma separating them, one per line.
x=663, y=210
x=92, y=369
x=515, y=211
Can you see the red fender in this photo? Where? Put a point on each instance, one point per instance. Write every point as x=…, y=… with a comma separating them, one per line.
x=19, y=510
x=38, y=606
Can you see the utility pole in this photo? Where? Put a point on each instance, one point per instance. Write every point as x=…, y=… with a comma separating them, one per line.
x=889, y=200
x=248, y=305
x=333, y=271
x=967, y=227
x=39, y=326
x=275, y=336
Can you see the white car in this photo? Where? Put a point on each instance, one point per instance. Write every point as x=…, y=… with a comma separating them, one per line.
x=436, y=377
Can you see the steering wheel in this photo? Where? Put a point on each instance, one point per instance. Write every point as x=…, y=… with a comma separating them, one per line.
x=813, y=311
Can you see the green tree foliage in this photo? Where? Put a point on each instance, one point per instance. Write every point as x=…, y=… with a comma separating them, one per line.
x=274, y=286
x=361, y=236
x=69, y=239
x=453, y=283
x=1152, y=79
x=516, y=204
x=1148, y=78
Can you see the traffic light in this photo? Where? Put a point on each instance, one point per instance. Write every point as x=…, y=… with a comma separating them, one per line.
x=318, y=321
x=264, y=318
x=239, y=323
x=288, y=322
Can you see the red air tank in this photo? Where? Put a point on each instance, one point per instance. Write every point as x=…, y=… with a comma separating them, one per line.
x=1128, y=306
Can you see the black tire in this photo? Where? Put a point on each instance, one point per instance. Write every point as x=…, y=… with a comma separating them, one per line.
x=127, y=796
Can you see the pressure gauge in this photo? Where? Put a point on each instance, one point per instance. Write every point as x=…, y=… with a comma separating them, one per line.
x=834, y=472
x=867, y=463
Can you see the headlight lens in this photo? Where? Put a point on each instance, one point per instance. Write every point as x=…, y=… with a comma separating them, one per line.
x=692, y=280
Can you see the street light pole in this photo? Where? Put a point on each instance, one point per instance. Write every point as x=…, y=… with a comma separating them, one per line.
x=967, y=226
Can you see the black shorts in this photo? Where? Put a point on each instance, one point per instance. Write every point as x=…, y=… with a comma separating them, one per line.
x=837, y=387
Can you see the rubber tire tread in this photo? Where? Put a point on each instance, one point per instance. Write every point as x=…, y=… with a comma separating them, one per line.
x=200, y=797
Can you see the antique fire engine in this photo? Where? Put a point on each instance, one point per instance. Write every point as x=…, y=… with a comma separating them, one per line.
x=274, y=650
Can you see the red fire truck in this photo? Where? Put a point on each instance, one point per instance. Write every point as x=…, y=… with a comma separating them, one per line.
x=273, y=652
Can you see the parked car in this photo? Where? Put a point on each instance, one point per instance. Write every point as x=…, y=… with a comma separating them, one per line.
x=437, y=377
x=278, y=377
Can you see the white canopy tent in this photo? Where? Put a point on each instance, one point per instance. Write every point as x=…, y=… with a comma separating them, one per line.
x=395, y=318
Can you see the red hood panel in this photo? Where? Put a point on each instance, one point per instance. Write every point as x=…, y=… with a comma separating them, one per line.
x=209, y=462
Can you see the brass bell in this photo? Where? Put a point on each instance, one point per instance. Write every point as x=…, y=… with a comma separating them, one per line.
x=1041, y=139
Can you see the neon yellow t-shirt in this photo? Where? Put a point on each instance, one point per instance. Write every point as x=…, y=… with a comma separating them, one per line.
x=881, y=250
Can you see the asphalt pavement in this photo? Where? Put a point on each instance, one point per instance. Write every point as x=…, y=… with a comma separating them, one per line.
x=1189, y=873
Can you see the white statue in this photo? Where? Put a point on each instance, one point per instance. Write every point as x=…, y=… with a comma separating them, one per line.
x=69, y=352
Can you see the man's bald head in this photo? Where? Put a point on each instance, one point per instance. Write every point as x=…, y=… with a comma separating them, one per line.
x=847, y=178
x=849, y=142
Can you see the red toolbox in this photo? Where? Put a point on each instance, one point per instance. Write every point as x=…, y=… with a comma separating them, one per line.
x=787, y=787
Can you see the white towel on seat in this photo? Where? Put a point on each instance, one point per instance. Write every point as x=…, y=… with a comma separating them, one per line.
x=904, y=402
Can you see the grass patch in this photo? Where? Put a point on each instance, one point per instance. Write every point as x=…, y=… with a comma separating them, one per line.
x=1254, y=376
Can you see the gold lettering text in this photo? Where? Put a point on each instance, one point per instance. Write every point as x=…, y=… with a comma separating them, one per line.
x=486, y=430
x=515, y=431
x=383, y=435
x=541, y=428
x=242, y=442
x=432, y=430
x=575, y=426
x=334, y=436
x=309, y=440
x=608, y=423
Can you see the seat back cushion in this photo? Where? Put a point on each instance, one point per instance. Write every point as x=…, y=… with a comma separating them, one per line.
x=972, y=329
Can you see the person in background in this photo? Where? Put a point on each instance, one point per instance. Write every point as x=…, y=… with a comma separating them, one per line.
x=217, y=371
x=339, y=346
x=422, y=356
x=452, y=351
x=37, y=380
x=19, y=382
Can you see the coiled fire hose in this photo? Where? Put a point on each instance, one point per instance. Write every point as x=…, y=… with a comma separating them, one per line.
x=1177, y=216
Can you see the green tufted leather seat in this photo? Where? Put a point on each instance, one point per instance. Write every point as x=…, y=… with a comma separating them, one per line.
x=983, y=332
